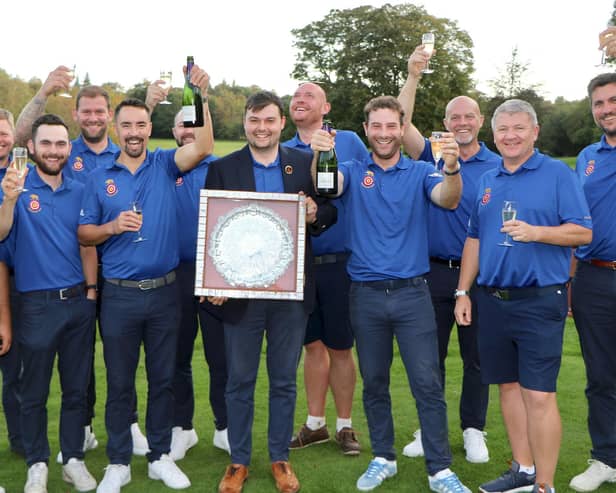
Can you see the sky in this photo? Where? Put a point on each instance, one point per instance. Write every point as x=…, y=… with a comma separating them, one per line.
x=250, y=43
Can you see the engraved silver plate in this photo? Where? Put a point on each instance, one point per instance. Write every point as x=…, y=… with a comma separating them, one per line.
x=251, y=246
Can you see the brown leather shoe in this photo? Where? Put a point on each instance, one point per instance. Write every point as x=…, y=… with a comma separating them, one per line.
x=286, y=481
x=348, y=442
x=305, y=437
x=234, y=478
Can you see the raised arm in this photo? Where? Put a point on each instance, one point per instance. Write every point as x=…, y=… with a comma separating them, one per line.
x=447, y=193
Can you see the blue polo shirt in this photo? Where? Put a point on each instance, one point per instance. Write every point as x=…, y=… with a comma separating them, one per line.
x=596, y=169
x=349, y=147
x=44, y=233
x=110, y=190
x=388, y=218
x=547, y=193
x=83, y=160
x=268, y=178
x=188, y=188
x=447, y=230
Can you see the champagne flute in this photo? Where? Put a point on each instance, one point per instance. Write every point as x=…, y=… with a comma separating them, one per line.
x=436, y=145
x=66, y=94
x=165, y=76
x=603, y=38
x=20, y=162
x=427, y=40
x=135, y=206
x=508, y=213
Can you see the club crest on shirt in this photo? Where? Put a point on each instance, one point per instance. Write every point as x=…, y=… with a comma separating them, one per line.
x=590, y=167
x=487, y=193
x=78, y=164
x=34, y=205
x=368, y=181
x=110, y=187
x=288, y=169
x=179, y=181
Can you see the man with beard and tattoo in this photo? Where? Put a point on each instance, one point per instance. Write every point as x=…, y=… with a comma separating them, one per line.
x=593, y=290
x=140, y=297
x=91, y=149
x=57, y=309
x=387, y=197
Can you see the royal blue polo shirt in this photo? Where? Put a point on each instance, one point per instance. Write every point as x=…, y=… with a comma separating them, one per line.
x=268, y=177
x=84, y=160
x=547, y=193
x=447, y=228
x=349, y=147
x=46, y=249
x=388, y=218
x=110, y=190
x=188, y=188
x=596, y=169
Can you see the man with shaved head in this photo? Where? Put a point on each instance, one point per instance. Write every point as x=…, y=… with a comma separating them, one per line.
x=328, y=358
x=463, y=119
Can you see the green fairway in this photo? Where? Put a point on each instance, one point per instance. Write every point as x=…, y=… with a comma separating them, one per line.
x=322, y=468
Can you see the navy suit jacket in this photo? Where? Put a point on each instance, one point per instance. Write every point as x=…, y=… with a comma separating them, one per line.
x=235, y=172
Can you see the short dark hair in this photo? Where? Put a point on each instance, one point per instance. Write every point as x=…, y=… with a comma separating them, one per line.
x=48, y=119
x=261, y=99
x=131, y=102
x=600, y=81
x=383, y=102
x=92, y=92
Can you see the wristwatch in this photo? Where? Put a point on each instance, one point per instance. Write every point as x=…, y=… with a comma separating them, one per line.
x=452, y=173
x=460, y=292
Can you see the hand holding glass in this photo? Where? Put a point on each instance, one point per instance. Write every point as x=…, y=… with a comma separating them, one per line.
x=66, y=94
x=508, y=213
x=165, y=76
x=427, y=40
x=20, y=162
x=135, y=206
x=436, y=144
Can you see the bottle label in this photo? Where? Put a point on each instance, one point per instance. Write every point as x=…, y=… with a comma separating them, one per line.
x=325, y=179
x=189, y=113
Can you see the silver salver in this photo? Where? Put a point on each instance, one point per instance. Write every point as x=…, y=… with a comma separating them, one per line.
x=247, y=249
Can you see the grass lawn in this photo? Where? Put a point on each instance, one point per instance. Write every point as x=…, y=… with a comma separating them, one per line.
x=322, y=468
x=221, y=147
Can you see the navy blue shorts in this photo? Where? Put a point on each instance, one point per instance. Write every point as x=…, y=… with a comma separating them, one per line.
x=521, y=339
x=329, y=322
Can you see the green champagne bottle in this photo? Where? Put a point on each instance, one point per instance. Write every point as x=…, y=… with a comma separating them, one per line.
x=192, y=102
x=327, y=168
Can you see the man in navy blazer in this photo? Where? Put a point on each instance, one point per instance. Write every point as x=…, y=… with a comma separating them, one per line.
x=264, y=166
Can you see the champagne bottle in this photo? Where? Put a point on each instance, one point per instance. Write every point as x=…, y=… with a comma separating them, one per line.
x=192, y=102
x=327, y=168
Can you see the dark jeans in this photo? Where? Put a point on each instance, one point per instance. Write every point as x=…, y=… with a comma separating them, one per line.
x=474, y=398
x=129, y=317
x=50, y=327
x=593, y=300
x=284, y=323
x=192, y=315
x=377, y=316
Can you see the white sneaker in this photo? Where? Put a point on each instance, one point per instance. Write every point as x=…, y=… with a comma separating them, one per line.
x=596, y=474
x=140, y=442
x=76, y=473
x=221, y=440
x=475, y=445
x=116, y=476
x=37, y=478
x=89, y=442
x=181, y=441
x=168, y=472
x=2, y=490
x=414, y=448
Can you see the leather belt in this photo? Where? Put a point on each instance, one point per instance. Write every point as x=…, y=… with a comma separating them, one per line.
x=391, y=284
x=513, y=294
x=330, y=258
x=606, y=264
x=145, y=284
x=452, y=263
x=59, y=294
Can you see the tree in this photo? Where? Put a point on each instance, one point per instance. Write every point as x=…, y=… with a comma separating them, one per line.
x=512, y=79
x=360, y=53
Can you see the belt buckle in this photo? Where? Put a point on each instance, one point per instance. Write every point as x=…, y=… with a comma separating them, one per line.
x=451, y=266
x=63, y=294
x=146, y=284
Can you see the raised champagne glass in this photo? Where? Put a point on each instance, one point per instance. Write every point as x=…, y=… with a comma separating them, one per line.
x=166, y=76
x=427, y=40
x=20, y=162
x=67, y=94
x=508, y=213
x=436, y=145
